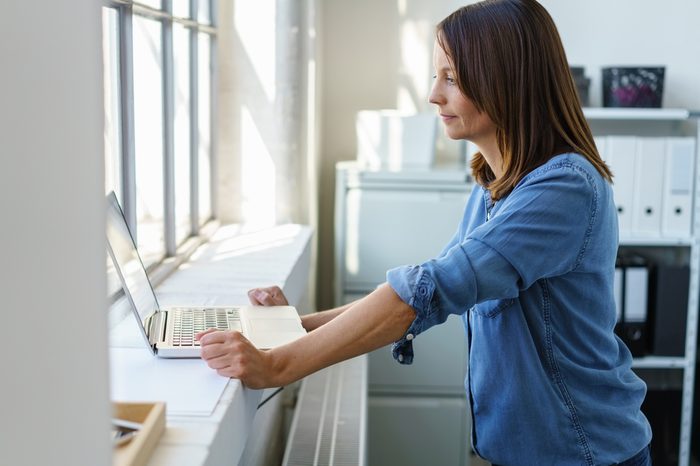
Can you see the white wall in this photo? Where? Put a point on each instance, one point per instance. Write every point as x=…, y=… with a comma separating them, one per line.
x=599, y=33
x=378, y=55
x=54, y=389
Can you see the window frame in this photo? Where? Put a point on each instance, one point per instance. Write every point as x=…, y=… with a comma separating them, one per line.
x=126, y=10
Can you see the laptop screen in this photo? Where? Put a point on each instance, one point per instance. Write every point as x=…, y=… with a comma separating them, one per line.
x=128, y=262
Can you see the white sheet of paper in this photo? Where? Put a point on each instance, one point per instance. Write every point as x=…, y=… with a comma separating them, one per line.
x=187, y=386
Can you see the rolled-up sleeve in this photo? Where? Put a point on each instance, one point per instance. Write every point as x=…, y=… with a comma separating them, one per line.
x=449, y=285
x=539, y=231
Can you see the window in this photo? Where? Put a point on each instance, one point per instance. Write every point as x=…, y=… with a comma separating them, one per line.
x=112, y=133
x=183, y=102
x=204, y=124
x=158, y=62
x=148, y=137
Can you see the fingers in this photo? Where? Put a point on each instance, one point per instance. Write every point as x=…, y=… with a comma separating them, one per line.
x=209, y=352
x=212, y=336
x=232, y=355
x=198, y=336
x=269, y=296
x=219, y=363
x=258, y=296
x=217, y=344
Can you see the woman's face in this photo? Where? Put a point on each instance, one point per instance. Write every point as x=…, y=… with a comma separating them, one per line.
x=461, y=118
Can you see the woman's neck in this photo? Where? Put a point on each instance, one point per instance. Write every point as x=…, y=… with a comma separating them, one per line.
x=490, y=151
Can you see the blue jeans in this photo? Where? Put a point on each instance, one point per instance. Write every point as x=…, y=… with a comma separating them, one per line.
x=643, y=458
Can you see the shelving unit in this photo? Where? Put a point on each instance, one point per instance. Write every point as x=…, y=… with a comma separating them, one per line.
x=661, y=242
x=628, y=114
x=660, y=362
x=673, y=121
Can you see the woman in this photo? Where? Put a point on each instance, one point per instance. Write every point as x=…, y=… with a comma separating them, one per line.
x=530, y=268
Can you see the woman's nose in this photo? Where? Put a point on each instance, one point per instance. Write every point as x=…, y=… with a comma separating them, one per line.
x=435, y=97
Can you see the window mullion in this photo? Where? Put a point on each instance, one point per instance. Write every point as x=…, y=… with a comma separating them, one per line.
x=126, y=70
x=214, y=159
x=168, y=133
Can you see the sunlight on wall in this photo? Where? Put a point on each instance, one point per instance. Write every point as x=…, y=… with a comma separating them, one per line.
x=255, y=25
x=405, y=101
x=402, y=7
x=258, y=175
x=415, y=64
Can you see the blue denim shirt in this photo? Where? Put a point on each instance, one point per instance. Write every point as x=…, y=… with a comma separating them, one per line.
x=548, y=381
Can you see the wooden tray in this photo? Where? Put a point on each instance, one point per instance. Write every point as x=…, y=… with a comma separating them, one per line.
x=139, y=449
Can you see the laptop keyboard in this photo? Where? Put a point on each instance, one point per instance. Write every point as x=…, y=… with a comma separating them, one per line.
x=185, y=323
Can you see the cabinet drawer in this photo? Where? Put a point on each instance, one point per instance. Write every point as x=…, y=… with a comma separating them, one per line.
x=417, y=431
x=438, y=367
x=386, y=228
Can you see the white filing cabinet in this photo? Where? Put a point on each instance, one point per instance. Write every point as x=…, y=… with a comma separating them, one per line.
x=417, y=413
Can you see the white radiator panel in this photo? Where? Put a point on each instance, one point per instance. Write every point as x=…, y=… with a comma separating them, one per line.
x=330, y=421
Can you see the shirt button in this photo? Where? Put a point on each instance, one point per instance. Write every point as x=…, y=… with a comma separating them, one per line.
x=409, y=337
x=400, y=357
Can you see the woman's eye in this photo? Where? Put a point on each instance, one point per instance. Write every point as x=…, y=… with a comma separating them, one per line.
x=450, y=80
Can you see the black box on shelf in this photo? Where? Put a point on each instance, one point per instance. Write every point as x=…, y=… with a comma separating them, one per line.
x=582, y=84
x=633, y=86
x=668, y=300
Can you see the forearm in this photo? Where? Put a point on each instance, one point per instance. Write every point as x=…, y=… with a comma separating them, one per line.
x=370, y=323
x=316, y=319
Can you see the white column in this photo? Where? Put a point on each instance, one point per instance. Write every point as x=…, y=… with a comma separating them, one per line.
x=54, y=395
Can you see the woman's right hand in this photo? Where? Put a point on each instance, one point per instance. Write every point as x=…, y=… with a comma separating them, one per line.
x=268, y=296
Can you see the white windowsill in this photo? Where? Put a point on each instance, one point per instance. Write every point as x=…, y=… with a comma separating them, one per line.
x=220, y=271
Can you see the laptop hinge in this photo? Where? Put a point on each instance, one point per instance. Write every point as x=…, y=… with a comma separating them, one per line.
x=155, y=323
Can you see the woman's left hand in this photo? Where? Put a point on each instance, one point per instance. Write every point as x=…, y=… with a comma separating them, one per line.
x=233, y=355
x=267, y=296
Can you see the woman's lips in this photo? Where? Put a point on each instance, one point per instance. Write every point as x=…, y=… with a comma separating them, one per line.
x=446, y=118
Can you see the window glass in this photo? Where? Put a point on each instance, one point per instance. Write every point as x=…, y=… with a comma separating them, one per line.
x=182, y=149
x=204, y=126
x=148, y=138
x=181, y=8
x=204, y=12
x=112, y=125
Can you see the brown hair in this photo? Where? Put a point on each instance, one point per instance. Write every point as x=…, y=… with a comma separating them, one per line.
x=509, y=61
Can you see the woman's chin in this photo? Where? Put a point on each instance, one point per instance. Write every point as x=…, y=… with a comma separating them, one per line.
x=453, y=133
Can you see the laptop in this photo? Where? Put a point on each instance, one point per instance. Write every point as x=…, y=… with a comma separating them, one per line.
x=170, y=332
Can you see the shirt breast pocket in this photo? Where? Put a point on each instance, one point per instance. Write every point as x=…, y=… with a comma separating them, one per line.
x=493, y=308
